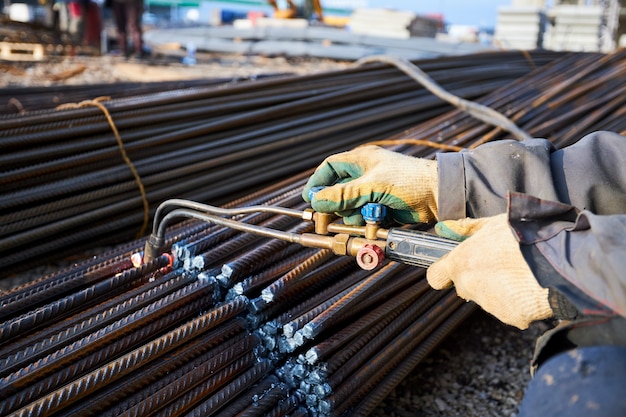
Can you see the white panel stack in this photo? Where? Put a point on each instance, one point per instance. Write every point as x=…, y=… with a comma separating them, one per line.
x=519, y=28
x=21, y=12
x=575, y=28
x=382, y=22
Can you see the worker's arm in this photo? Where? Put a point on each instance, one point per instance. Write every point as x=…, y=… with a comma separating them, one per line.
x=579, y=257
x=544, y=259
x=489, y=269
x=588, y=175
x=539, y=253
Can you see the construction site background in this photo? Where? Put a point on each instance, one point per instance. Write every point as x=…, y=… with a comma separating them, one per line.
x=588, y=26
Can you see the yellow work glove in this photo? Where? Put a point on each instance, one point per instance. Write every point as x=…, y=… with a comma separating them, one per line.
x=489, y=269
x=406, y=185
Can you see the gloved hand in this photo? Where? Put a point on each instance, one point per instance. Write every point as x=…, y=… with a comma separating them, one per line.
x=489, y=269
x=406, y=185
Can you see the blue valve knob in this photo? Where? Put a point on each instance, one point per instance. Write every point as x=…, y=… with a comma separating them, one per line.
x=371, y=212
x=314, y=191
x=374, y=212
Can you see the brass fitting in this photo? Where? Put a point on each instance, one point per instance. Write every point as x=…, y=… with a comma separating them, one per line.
x=322, y=220
x=356, y=243
x=371, y=230
x=307, y=215
x=340, y=244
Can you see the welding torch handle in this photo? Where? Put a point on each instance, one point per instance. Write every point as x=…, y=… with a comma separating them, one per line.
x=416, y=248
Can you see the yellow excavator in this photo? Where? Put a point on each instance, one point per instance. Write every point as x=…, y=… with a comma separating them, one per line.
x=308, y=10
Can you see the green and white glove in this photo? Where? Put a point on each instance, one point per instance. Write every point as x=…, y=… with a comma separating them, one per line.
x=407, y=185
x=489, y=269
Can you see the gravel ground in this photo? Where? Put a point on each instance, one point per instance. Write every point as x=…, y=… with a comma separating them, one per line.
x=480, y=370
x=80, y=70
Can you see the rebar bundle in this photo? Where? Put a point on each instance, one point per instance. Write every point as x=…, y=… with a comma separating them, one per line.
x=29, y=99
x=68, y=181
x=239, y=325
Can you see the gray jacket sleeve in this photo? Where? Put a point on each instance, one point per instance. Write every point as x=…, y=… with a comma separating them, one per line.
x=580, y=255
x=576, y=253
x=589, y=175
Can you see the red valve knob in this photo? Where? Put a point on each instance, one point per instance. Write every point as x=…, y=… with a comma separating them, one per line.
x=370, y=257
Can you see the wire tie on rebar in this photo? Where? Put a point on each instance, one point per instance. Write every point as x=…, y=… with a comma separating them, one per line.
x=17, y=104
x=97, y=102
x=419, y=142
x=529, y=58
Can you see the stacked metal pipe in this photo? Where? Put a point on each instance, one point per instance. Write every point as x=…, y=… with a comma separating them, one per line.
x=65, y=183
x=243, y=325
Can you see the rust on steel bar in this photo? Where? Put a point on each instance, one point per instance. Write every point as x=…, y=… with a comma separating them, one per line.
x=369, y=374
x=240, y=407
x=322, y=284
x=113, y=400
x=66, y=305
x=387, y=311
x=318, y=286
x=269, y=399
x=253, y=284
x=193, y=375
x=375, y=397
x=33, y=293
x=364, y=289
x=290, y=328
x=351, y=301
x=275, y=290
x=105, y=344
x=343, y=362
x=366, y=343
x=36, y=389
x=208, y=386
x=119, y=368
x=264, y=255
x=33, y=347
x=213, y=404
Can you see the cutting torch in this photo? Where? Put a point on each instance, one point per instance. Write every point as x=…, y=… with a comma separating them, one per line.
x=369, y=244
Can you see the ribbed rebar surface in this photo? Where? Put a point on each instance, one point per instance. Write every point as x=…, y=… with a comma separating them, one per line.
x=258, y=327
x=65, y=185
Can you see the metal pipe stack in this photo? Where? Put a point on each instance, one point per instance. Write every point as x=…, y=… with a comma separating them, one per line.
x=66, y=185
x=240, y=325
